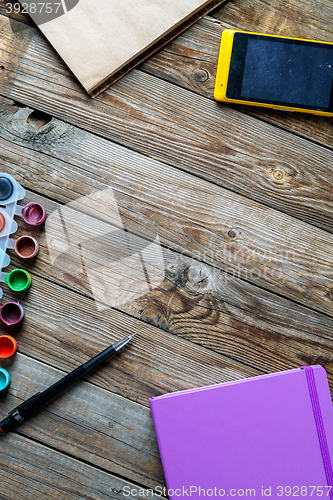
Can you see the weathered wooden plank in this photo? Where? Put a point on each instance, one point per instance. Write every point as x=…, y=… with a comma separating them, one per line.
x=31, y=471
x=303, y=18
x=174, y=308
x=10, y=9
x=190, y=61
x=88, y=423
x=162, y=120
x=64, y=329
x=212, y=225
x=194, y=301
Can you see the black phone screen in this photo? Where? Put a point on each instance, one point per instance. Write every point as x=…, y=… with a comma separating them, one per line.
x=281, y=71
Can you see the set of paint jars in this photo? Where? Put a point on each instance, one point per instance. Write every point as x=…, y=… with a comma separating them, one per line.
x=8, y=347
x=26, y=247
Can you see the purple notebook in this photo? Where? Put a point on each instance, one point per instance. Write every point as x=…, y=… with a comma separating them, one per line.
x=267, y=436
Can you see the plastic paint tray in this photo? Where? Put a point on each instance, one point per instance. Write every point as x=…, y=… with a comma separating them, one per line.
x=10, y=193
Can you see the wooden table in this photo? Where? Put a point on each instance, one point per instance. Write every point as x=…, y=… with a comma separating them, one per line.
x=242, y=201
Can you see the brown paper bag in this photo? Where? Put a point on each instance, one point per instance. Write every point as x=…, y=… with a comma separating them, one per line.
x=100, y=40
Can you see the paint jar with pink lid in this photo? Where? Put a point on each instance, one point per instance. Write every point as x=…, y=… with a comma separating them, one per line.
x=34, y=214
x=11, y=313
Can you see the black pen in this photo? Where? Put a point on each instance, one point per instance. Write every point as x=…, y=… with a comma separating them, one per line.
x=31, y=405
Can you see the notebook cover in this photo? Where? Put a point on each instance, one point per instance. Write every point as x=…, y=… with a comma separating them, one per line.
x=251, y=437
x=100, y=41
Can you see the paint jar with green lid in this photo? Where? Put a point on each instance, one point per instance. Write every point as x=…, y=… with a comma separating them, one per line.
x=18, y=280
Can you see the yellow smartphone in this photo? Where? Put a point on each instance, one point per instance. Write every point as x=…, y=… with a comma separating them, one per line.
x=273, y=71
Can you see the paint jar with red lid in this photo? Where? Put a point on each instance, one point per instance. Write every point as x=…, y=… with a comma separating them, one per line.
x=8, y=346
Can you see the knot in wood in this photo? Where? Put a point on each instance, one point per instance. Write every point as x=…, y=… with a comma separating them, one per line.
x=232, y=233
x=39, y=119
x=201, y=75
x=200, y=278
x=278, y=174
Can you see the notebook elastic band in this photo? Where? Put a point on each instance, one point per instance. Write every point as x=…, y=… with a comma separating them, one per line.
x=320, y=426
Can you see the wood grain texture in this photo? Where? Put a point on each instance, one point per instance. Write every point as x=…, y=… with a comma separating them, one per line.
x=208, y=321
x=31, y=471
x=301, y=19
x=89, y=423
x=191, y=216
x=10, y=9
x=190, y=61
x=161, y=121
x=65, y=329
x=195, y=301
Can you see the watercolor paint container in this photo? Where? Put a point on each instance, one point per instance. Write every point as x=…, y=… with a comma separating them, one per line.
x=34, y=214
x=26, y=247
x=11, y=313
x=10, y=191
x=2, y=222
x=8, y=346
x=4, y=379
x=7, y=224
x=18, y=280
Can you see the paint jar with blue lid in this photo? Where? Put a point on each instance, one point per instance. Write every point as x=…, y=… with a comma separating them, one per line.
x=4, y=379
x=6, y=188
